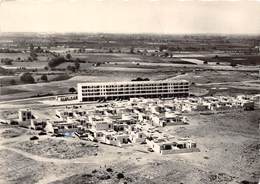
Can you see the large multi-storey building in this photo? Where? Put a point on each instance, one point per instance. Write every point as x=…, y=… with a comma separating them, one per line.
x=126, y=90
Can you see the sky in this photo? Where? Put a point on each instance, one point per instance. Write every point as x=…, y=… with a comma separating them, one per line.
x=131, y=16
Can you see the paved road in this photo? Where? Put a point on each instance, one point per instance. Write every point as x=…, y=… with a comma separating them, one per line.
x=28, y=99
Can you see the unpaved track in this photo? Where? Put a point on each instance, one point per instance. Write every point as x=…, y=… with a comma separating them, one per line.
x=86, y=160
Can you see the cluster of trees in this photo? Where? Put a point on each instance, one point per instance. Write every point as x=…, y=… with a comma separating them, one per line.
x=141, y=79
x=76, y=62
x=75, y=67
x=56, y=62
x=166, y=54
x=33, y=57
x=163, y=47
x=178, y=48
x=7, y=61
x=29, y=59
x=27, y=78
x=71, y=68
x=68, y=58
x=36, y=49
x=12, y=82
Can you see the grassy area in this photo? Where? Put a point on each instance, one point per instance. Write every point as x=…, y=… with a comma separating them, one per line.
x=14, y=56
x=107, y=57
x=11, y=91
x=40, y=64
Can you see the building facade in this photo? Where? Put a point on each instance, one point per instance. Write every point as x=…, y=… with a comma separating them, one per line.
x=24, y=117
x=126, y=90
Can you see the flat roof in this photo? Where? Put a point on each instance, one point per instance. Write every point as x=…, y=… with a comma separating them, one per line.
x=132, y=82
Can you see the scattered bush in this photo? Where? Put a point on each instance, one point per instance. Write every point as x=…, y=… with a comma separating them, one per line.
x=12, y=82
x=71, y=68
x=68, y=56
x=104, y=177
x=77, y=65
x=34, y=138
x=233, y=64
x=44, y=78
x=120, y=176
x=42, y=133
x=109, y=170
x=87, y=175
x=72, y=90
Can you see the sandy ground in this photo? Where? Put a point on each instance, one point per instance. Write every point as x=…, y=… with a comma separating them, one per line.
x=228, y=143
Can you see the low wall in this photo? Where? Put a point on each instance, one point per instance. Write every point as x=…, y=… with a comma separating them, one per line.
x=165, y=152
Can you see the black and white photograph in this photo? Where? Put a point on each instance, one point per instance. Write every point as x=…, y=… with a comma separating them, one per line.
x=129, y=91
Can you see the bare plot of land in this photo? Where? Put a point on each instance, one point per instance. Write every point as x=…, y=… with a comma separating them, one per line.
x=8, y=114
x=228, y=142
x=15, y=168
x=12, y=132
x=198, y=91
x=54, y=148
x=104, y=175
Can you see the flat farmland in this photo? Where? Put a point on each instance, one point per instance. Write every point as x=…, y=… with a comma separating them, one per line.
x=221, y=82
x=121, y=58
x=95, y=74
x=125, y=67
x=126, y=72
x=204, y=77
x=40, y=64
x=14, y=56
x=107, y=57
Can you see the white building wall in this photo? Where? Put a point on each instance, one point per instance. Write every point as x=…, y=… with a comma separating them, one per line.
x=94, y=91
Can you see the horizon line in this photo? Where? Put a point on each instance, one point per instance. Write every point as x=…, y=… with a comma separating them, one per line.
x=123, y=33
